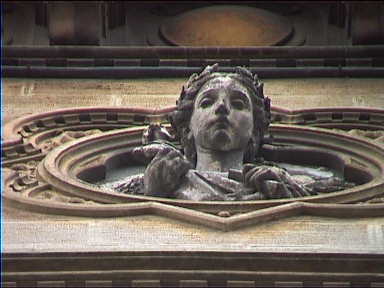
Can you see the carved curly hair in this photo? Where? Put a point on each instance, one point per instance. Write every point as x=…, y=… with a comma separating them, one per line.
x=180, y=118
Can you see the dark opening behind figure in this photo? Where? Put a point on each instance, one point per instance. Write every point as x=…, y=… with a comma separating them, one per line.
x=220, y=121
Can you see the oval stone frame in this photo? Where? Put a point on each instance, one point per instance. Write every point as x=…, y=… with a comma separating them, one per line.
x=66, y=167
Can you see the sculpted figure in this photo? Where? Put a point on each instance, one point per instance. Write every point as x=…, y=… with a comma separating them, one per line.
x=220, y=121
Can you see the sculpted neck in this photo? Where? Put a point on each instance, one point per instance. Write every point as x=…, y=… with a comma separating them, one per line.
x=219, y=161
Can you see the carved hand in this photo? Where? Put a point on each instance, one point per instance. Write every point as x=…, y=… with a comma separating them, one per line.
x=272, y=182
x=165, y=172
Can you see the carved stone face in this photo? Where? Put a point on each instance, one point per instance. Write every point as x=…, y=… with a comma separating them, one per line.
x=222, y=119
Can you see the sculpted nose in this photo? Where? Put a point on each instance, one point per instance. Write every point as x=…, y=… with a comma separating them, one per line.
x=222, y=109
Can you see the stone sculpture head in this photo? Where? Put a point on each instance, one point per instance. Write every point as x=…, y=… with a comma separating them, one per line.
x=222, y=112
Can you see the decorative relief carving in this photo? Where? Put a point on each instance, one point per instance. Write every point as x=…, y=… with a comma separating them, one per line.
x=24, y=184
x=26, y=175
x=64, y=137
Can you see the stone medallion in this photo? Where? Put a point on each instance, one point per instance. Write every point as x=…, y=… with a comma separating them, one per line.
x=54, y=161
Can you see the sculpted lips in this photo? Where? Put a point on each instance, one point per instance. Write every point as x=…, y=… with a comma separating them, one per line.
x=219, y=123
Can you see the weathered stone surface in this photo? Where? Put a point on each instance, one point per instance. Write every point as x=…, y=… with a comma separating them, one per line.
x=24, y=96
x=27, y=231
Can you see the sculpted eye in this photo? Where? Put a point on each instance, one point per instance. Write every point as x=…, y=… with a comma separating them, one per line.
x=239, y=104
x=206, y=102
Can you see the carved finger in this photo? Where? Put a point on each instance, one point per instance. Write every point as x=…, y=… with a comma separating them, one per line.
x=302, y=191
x=271, y=189
x=162, y=154
x=259, y=175
x=285, y=191
x=296, y=189
x=177, y=163
x=251, y=176
x=247, y=167
x=179, y=167
x=292, y=188
x=174, y=154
